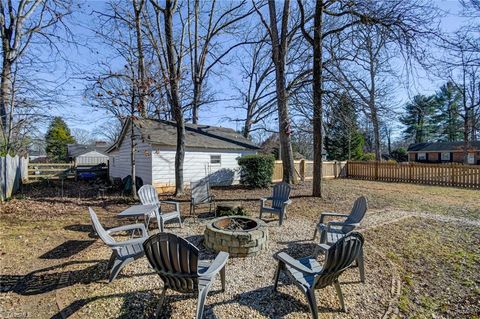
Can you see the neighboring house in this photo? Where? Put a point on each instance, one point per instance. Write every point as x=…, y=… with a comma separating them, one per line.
x=209, y=151
x=92, y=154
x=443, y=152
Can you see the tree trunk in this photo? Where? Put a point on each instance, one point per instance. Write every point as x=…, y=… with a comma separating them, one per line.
x=196, y=100
x=196, y=75
x=175, y=99
x=132, y=158
x=376, y=134
x=142, y=89
x=279, y=52
x=317, y=101
x=466, y=117
x=5, y=101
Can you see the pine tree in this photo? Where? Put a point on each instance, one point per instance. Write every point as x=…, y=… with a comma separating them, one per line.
x=344, y=140
x=57, y=138
x=419, y=119
x=448, y=101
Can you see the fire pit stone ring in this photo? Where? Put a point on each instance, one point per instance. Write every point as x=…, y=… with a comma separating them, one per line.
x=240, y=236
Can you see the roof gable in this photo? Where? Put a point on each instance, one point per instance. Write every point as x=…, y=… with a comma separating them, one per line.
x=75, y=150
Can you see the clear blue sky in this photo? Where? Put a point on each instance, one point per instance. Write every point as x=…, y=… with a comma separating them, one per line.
x=79, y=115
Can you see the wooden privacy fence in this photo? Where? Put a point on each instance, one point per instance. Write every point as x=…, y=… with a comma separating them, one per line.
x=13, y=171
x=304, y=170
x=51, y=171
x=431, y=174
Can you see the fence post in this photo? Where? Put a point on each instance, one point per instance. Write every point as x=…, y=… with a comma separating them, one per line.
x=376, y=170
x=302, y=170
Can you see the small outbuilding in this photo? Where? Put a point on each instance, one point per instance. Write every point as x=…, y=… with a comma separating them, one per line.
x=210, y=151
x=444, y=152
x=90, y=154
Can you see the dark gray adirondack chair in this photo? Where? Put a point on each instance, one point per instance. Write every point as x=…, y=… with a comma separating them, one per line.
x=333, y=231
x=201, y=194
x=309, y=275
x=148, y=195
x=280, y=200
x=176, y=262
x=123, y=252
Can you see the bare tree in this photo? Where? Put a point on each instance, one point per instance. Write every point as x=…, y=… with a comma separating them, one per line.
x=257, y=93
x=22, y=26
x=173, y=67
x=279, y=43
x=333, y=18
x=208, y=49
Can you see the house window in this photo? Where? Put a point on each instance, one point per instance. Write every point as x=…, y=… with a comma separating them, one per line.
x=216, y=159
x=471, y=158
x=445, y=156
x=422, y=156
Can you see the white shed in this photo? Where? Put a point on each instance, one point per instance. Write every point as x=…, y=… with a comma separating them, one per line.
x=88, y=154
x=209, y=152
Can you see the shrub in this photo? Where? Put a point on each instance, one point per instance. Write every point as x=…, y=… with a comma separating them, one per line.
x=400, y=154
x=368, y=157
x=256, y=170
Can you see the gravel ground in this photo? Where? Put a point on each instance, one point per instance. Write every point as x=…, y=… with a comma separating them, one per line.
x=249, y=291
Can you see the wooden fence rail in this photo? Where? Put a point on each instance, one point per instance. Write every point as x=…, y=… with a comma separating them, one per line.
x=304, y=170
x=51, y=171
x=432, y=174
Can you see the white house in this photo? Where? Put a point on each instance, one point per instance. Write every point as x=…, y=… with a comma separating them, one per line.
x=91, y=154
x=209, y=151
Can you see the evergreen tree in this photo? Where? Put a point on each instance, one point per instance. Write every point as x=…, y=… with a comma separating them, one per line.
x=57, y=138
x=448, y=102
x=419, y=119
x=344, y=140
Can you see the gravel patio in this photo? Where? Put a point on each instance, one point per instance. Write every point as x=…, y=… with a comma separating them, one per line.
x=53, y=266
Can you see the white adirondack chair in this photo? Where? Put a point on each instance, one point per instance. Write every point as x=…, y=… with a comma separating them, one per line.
x=148, y=195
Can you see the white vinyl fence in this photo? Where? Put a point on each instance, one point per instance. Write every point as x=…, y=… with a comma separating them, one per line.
x=13, y=171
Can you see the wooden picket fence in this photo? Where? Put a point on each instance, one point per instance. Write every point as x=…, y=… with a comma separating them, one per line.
x=456, y=175
x=304, y=170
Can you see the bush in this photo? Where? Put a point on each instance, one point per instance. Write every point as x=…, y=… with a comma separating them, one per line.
x=368, y=157
x=400, y=154
x=256, y=170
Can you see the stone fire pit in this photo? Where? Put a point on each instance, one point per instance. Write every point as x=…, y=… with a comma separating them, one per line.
x=240, y=236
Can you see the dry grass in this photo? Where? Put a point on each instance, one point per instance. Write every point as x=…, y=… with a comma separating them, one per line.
x=50, y=260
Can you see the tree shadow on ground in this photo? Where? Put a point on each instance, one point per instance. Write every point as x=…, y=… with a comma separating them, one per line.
x=46, y=280
x=67, y=249
x=270, y=303
x=83, y=228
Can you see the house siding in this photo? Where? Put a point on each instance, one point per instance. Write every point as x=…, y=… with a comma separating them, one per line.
x=120, y=164
x=434, y=157
x=196, y=166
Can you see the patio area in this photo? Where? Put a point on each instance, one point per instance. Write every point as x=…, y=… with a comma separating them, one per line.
x=422, y=255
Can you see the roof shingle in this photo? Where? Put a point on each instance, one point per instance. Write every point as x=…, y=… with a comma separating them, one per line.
x=164, y=133
x=441, y=146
